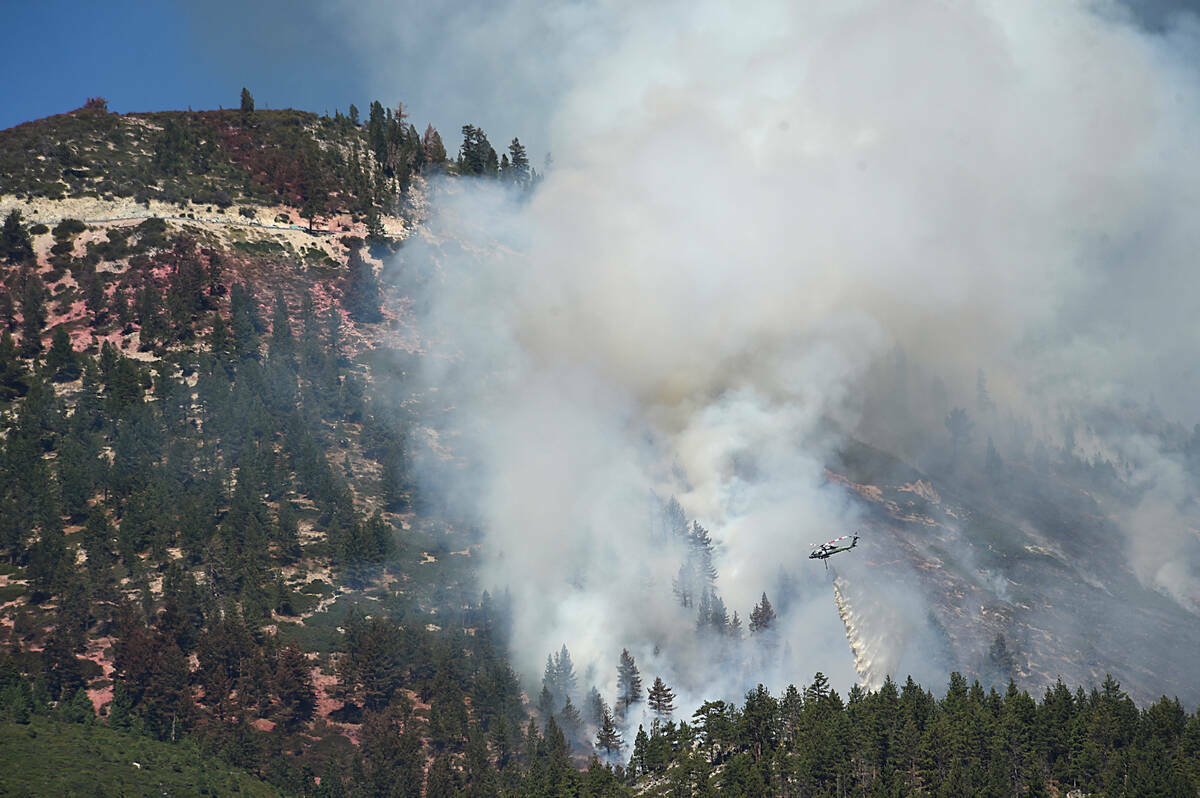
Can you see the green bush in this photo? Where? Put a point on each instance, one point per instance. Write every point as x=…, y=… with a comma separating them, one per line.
x=318, y=587
x=261, y=248
x=152, y=234
x=152, y=226
x=67, y=228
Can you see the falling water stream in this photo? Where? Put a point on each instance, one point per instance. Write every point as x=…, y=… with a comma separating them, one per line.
x=871, y=656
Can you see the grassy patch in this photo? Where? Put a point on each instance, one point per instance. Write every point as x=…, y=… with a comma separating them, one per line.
x=47, y=757
x=152, y=234
x=320, y=632
x=315, y=257
x=263, y=247
x=299, y=603
x=318, y=587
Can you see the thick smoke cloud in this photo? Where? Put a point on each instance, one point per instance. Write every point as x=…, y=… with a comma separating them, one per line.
x=748, y=211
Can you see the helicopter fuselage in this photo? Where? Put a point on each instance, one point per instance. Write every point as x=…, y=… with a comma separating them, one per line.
x=829, y=549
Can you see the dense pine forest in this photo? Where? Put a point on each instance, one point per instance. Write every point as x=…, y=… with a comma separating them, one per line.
x=220, y=571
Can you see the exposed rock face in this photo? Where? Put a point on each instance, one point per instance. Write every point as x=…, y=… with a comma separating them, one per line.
x=1040, y=561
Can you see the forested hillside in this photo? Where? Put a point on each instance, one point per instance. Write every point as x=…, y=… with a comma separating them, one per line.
x=213, y=535
x=904, y=741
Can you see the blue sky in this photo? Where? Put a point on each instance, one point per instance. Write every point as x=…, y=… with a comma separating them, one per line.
x=494, y=64
x=439, y=60
x=145, y=56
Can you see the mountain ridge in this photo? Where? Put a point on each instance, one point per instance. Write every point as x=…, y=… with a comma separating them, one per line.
x=248, y=553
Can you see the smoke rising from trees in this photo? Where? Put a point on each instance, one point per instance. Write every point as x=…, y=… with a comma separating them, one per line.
x=748, y=213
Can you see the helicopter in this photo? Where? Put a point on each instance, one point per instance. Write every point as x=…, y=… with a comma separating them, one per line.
x=823, y=551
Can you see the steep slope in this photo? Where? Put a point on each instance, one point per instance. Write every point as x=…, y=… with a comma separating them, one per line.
x=1030, y=557
x=210, y=530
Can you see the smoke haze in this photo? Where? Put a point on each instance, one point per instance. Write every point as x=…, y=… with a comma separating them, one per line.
x=748, y=212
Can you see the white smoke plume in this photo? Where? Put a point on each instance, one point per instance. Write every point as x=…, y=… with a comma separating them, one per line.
x=749, y=207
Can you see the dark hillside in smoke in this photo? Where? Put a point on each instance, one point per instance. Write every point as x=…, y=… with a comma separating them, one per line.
x=1034, y=559
x=957, y=234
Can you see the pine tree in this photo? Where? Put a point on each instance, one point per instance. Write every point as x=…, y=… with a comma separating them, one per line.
x=48, y=561
x=478, y=773
x=247, y=103
x=818, y=690
x=661, y=698
x=94, y=297
x=282, y=344
x=33, y=313
x=735, y=626
x=608, y=739
x=77, y=466
x=435, y=150
x=999, y=666
x=637, y=762
x=13, y=382
x=245, y=322
x=759, y=727
x=545, y=701
x=442, y=781
x=762, y=616
x=696, y=576
x=674, y=520
x=360, y=296
x=595, y=707
x=186, y=295
x=120, y=306
x=570, y=720
x=220, y=342
x=376, y=233
x=518, y=163
x=564, y=673
x=718, y=615
x=701, y=548
x=629, y=683
x=314, y=194
x=556, y=747
x=704, y=611
x=394, y=478
x=8, y=308
x=550, y=689
x=312, y=353
x=150, y=316
x=476, y=156
x=15, y=245
x=683, y=585
x=62, y=364
x=292, y=683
